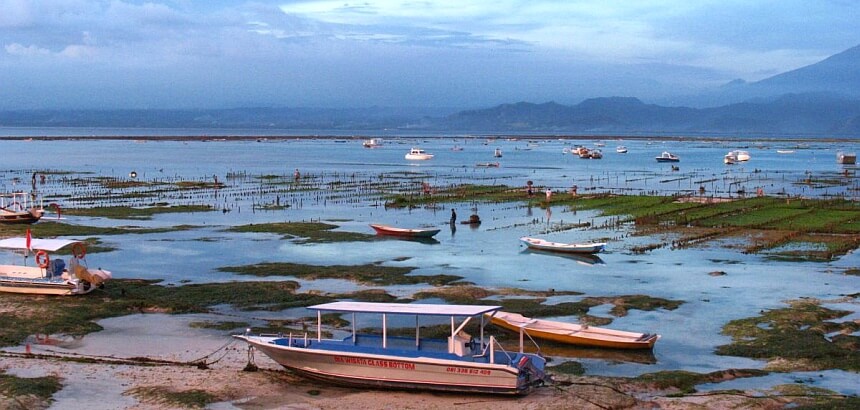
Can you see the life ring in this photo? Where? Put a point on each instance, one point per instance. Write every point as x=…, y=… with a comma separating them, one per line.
x=79, y=250
x=42, y=259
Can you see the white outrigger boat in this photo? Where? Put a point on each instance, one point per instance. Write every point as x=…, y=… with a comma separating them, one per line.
x=50, y=277
x=461, y=363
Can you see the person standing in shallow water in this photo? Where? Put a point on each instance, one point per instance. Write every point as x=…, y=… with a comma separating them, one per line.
x=453, y=216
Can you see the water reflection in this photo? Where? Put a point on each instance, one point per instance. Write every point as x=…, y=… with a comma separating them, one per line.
x=580, y=258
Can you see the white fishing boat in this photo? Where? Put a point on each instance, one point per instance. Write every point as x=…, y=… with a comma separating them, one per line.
x=785, y=151
x=621, y=149
x=730, y=158
x=460, y=362
x=741, y=156
x=667, y=156
x=418, y=154
x=544, y=245
x=49, y=276
x=595, y=154
x=372, y=143
x=20, y=208
x=846, y=158
x=497, y=153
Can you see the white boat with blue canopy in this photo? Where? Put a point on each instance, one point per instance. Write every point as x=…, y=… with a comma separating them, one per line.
x=462, y=363
x=49, y=276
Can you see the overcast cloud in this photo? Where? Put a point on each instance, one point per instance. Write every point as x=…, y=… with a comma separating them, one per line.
x=223, y=53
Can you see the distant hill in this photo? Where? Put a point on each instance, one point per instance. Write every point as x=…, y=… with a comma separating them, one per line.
x=820, y=114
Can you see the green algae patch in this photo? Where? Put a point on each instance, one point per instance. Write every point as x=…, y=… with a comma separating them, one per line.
x=799, y=337
x=305, y=232
x=25, y=315
x=684, y=382
x=28, y=392
x=531, y=303
x=368, y=274
x=169, y=397
x=125, y=212
x=54, y=229
x=573, y=368
x=218, y=325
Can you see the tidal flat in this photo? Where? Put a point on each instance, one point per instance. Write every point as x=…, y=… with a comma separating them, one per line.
x=251, y=245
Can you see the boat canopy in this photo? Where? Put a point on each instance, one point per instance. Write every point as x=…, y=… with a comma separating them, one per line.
x=407, y=309
x=51, y=245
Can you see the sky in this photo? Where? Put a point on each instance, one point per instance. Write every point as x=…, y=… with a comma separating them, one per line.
x=161, y=54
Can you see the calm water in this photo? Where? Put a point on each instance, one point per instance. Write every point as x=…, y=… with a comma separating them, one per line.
x=489, y=255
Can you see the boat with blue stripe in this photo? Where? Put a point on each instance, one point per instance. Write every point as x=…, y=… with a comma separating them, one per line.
x=461, y=362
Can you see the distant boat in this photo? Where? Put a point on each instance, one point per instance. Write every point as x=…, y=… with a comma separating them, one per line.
x=846, y=158
x=730, y=158
x=574, y=334
x=405, y=232
x=487, y=165
x=595, y=154
x=621, y=149
x=372, y=143
x=785, y=151
x=741, y=156
x=457, y=148
x=418, y=154
x=544, y=245
x=667, y=156
x=497, y=153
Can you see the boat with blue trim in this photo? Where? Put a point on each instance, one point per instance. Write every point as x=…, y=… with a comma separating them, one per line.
x=461, y=362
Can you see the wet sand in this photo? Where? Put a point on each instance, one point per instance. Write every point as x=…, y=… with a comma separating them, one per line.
x=157, y=336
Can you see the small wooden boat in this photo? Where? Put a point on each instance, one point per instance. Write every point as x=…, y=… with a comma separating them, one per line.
x=405, y=232
x=544, y=245
x=49, y=276
x=667, y=156
x=846, y=158
x=20, y=208
x=575, y=334
x=459, y=363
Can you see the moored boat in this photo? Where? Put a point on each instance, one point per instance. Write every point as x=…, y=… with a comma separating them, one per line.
x=846, y=158
x=20, y=208
x=488, y=165
x=730, y=158
x=742, y=156
x=575, y=334
x=544, y=245
x=461, y=363
x=418, y=154
x=407, y=232
x=667, y=156
x=497, y=153
x=621, y=149
x=49, y=276
x=372, y=143
x=595, y=154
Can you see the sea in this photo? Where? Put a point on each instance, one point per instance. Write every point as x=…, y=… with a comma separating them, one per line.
x=489, y=255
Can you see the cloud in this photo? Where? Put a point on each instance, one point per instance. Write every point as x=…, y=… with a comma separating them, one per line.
x=16, y=49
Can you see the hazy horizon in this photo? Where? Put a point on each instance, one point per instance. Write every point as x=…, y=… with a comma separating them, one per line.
x=75, y=54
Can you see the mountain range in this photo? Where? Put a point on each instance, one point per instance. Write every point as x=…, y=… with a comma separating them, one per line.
x=822, y=99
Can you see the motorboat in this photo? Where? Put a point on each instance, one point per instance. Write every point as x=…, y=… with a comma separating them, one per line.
x=574, y=334
x=49, y=276
x=407, y=232
x=497, y=153
x=742, y=156
x=730, y=158
x=544, y=245
x=372, y=143
x=418, y=154
x=595, y=154
x=846, y=158
x=667, y=156
x=20, y=208
x=459, y=363
x=488, y=165
x=584, y=153
x=621, y=149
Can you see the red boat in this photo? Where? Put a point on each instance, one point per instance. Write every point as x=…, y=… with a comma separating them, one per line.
x=409, y=233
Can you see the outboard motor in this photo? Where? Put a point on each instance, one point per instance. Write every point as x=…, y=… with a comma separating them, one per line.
x=533, y=372
x=56, y=269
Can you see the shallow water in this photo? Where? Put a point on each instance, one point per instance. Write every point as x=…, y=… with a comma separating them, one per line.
x=490, y=254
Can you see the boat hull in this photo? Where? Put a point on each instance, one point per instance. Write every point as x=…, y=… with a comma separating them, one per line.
x=539, y=244
x=386, y=371
x=403, y=232
x=22, y=217
x=574, y=334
